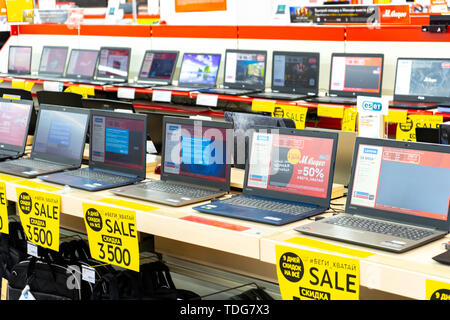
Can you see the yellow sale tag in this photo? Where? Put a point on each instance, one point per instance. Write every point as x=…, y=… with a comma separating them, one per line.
x=296, y=113
x=11, y=96
x=308, y=275
x=330, y=111
x=7, y=178
x=349, y=119
x=437, y=290
x=40, y=215
x=22, y=84
x=263, y=105
x=406, y=131
x=85, y=91
x=112, y=235
x=397, y=116
x=4, y=225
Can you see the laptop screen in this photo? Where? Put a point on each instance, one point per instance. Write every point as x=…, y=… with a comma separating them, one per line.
x=290, y=164
x=411, y=181
x=196, y=151
x=118, y=142
x=199, y=69
x=60, y=133
x=14, y=118
x=245, y=68
x=82, y=63
x=423, y=79
x=158, y=65
x=297, y=72
x=53, y=60
x=114, y=62
x=19, y=60
x=353, y=75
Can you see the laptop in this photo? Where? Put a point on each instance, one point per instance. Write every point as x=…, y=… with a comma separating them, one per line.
x=421, y=83
x=81, y=65
x=295, y=76
x=108, y=104
x=113, y=66
x=69, y=99
x=288, y=177
x=353, y=74
x=198, y=71
x=195, y=164
x=430, y=135
x=398, y=197
x=53, y=63
x=58, y=143
x=19, y=61
x=245, y=72
x=157, y=69
x=15, y=118
x=117, y=153
x=243, y=126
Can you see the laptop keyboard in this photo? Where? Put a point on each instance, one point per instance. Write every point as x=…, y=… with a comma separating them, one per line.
x=269, y=205
x=35, y=164
x=179, y=189
x=98, y=176
x=395, y=230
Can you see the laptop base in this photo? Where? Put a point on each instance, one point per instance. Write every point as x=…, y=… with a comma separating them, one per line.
x=226, y=91
x=279, y=96
x=412, y=105
x=333, y=100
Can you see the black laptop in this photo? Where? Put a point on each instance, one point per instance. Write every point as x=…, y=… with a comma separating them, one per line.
x=421, y=83
x=15, y=118
x=295, y=76
x=113, y=66
x=58, y=142
x=117, y=153
x=19, y=61
x=81, y=65
x=53, y=63
x=155, y=129
x=352, y=75
x=244, y=73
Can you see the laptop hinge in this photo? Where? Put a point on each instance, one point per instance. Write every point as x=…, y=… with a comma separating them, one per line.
x=115, y=172
x=193, y=185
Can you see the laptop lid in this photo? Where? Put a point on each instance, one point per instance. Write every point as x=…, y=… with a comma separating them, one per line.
x=15, y=118
x=60, y=134
x=422, y=80
x=245, y=69
x=406, y=182
x=353, y=74
x=199, y=70
x=295, y=72
x=197, y=152
x=291, y=164
x=69, y=99
x=158, y=66
x=107, y=104
x=118, y=142
x=113, y=64
x=155, y=128
x=53, y=61
x=430, y=135
x=82, y=64
x=19, y=59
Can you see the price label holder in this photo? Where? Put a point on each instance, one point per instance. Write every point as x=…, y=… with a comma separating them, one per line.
x=40, y=216
x=53, y=86
x=162, y=96
x=4, y=225
x=296, y=113
x=126, y=93
x=88, y=274
x=437, y=290
x=22, y=84
x=208, y=100
x=112, y=235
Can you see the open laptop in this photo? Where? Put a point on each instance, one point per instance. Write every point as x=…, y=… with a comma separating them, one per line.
x=113, y=66
x=58, y=142
x=198, y=70
x=19, y=61
x=243, y=126
x=69, y=99
x=81, y=65
x=353, y=74
x=195, y=164
x=398, y=197
x=53, y=63
x=245, y=72
x=295, y=76
x=15, y=118
x=157, y=69
x=288, y=177
x=117, y=153
x=421, y=83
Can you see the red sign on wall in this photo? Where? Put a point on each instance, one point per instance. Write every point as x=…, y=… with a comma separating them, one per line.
x=394, y=14
x=200, y=5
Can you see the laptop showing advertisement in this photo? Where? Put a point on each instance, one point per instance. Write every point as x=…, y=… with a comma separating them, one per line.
x=295, y=76
x=81, y=65
x=53, y=63
x=19, y=61
x=15, y=118
x=195, y=164
x=58, y=142
x=353, y=74
x=117, y=153
x=113, y=65
x=288, y=177
x=398, y=196
x=421, y=83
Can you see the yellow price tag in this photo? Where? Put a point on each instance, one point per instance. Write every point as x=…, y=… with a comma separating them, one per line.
x=308, y=275
x=22, y=84
x=437, y=290
x=7, y=178
x=349, y=119
x=397, y=116
x=330, y=111
x=296, y=113
x=263, y=105
x=406, y=131
x=4, y=225
x=85, y=91
x=112, y=235
x=40, y=216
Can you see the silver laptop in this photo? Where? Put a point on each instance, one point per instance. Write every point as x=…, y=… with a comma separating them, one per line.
x=398, y=197
x=195, y=164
